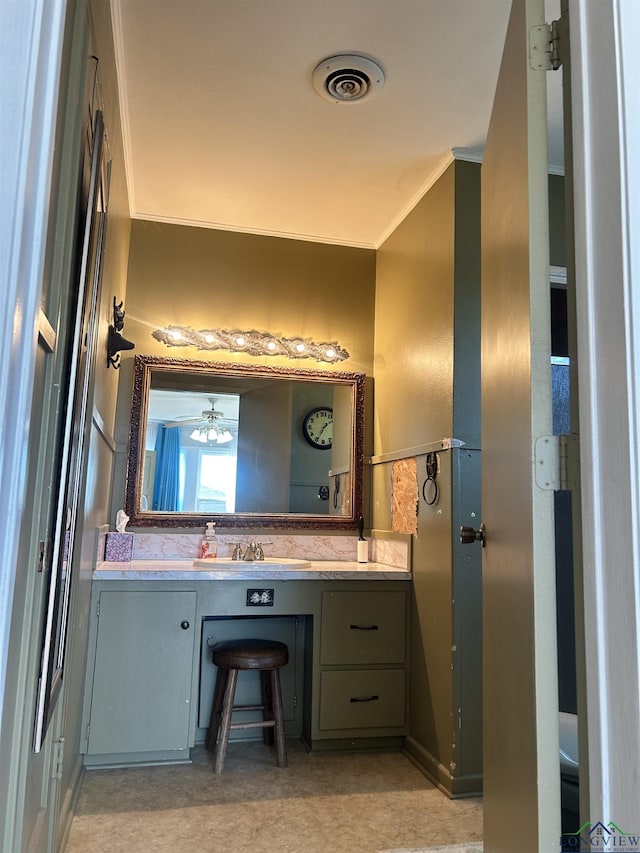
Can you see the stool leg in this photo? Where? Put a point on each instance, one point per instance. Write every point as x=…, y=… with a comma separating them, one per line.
x=276, y=695
x=216, y=707
x=267, y=705
x=225, y=727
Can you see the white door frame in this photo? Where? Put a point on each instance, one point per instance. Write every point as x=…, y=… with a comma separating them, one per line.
x=605, y=68
x=31, y=33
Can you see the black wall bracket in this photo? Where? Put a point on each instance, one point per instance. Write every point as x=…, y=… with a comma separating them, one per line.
x=116, y=343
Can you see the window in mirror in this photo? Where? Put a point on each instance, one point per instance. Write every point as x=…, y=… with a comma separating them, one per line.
x=191, y=441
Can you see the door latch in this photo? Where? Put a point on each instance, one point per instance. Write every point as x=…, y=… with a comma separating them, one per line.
x=468, y=535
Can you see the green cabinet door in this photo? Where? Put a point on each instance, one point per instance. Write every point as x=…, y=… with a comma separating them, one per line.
x=143, y=668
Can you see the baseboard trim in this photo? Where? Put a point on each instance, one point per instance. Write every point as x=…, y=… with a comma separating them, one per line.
x=453, y=786
x=68, y=806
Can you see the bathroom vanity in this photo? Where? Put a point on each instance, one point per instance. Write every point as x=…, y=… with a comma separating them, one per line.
x=150, y=676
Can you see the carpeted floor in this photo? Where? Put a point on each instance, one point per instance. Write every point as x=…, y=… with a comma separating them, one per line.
x=321, y=803
x=449, y=848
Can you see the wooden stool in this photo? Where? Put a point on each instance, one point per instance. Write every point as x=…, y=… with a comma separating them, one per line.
x=266, y=657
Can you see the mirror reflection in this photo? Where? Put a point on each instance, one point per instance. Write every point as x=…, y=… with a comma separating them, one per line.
x=244, y=445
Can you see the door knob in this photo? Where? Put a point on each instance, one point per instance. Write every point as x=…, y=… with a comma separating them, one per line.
x=470, y=534
x=184, y=625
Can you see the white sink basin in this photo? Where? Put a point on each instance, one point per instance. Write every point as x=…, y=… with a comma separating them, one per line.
x=227, y=564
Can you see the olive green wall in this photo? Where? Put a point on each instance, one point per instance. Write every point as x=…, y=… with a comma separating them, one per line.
x=102, y=404
x=426, y=375
x=413, y=367
x=201, y=278
x=466, y=371
x=36, y=792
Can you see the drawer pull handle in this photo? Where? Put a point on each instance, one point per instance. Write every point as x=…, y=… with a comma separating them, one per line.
x=364, y=699
x=363, y=627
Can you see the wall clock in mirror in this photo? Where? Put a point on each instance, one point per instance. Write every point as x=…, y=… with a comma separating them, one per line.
x=317, y=427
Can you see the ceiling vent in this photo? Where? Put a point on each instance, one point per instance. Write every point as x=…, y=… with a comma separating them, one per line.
x=347, y=78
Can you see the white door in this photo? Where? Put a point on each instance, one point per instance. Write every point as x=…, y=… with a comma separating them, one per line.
x=520, y=749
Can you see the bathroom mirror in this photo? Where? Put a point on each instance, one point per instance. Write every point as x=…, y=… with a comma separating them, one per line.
x=244, y=446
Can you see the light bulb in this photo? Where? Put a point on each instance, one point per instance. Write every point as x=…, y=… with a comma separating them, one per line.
x=175, y=336
x=271, y=345
x=209, y=339
x=330, y=353
x=240, y=341
x=300, y=347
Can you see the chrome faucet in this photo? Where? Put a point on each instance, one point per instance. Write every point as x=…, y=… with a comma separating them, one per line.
x=237, y=551
x=250, y=553
x=254, y=551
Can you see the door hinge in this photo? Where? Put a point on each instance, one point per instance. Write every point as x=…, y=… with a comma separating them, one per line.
x=58, y=759
x=295, y=701
x=41, y=564
x=544, y=47
x=557, y=459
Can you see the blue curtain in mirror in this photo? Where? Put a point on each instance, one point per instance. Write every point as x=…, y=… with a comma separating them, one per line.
x=166, y=488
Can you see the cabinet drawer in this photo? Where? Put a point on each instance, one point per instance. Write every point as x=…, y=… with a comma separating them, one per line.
x=363, y=627
x=361, y=699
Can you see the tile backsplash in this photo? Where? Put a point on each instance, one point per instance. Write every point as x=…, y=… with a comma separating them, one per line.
x=184, y=546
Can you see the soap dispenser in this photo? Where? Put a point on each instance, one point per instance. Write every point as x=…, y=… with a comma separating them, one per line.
x=363, y=545
x=209, y=545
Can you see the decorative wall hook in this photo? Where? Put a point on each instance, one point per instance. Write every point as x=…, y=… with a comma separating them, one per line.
x=115, y=341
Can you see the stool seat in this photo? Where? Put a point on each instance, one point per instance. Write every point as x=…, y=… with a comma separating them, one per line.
x=232, y=657
x=250, y=654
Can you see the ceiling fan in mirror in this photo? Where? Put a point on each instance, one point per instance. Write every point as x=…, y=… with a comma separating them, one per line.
x=210, y=427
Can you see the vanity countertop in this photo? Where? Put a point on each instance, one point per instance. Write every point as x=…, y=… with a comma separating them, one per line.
x=184, y=570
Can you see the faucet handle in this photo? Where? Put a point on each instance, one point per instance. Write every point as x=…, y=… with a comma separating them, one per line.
x=237, y=551
x=260, y=550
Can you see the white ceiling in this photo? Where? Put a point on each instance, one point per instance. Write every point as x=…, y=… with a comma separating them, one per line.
x=223, y=128
x=177, y=405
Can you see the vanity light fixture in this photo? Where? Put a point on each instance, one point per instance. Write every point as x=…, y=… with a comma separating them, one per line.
x=251, y=342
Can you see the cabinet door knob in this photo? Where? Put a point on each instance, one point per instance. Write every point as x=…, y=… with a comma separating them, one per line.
x=184, y=625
